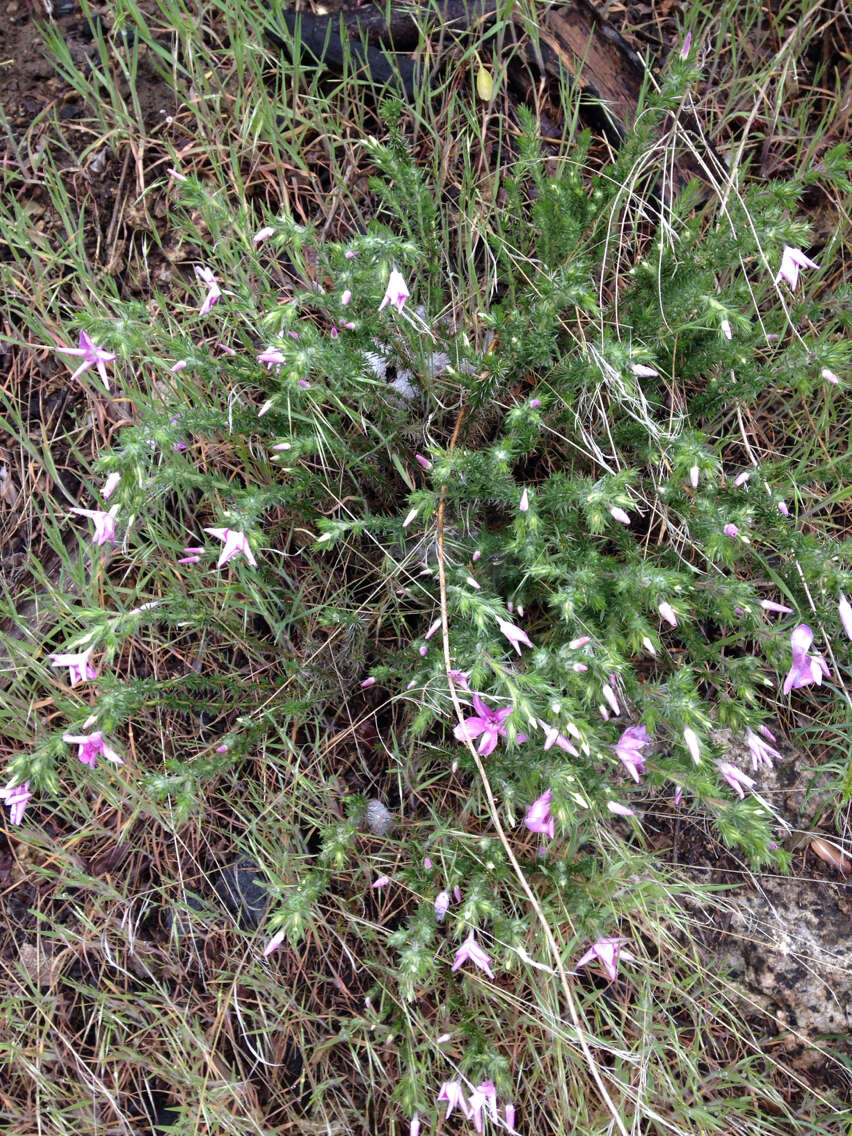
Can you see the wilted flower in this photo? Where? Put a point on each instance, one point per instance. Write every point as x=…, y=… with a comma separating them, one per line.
x=806, y=669
x=539, y=818
x=472, y=951
x=515, y=635
x=214, y=292
x=762, y=752
x=92, y=356
x=235, y=542
x=452, y=1093
x=629, y=749
x=92, y=746
x=735, y=777
x=397, y=291
x=483, y=1096
x=792, y=260
x=79, y=667
x=16, y=798
x=486, y=722
x=104, y=523
x=607, y=951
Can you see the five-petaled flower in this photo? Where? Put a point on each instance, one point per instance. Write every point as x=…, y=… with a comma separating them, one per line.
x=453, y=1094
x=214, y=292
x=629, y=749
x=735, y=777
x=79, y=667
x=607, y=951
x=397, y=291
x=16, y=798
x=539, y=817
x=806, y=669
x=235, y=542
x=92, y=356
x=471, y=950
x=104, y=523
x=92, y=746
x=762, y=752
x=486, y=722
x=792, y=260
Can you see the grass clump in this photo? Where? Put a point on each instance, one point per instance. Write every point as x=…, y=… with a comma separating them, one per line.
x=442, y=553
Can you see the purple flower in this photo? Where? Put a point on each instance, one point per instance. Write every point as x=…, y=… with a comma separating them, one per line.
x=762, y=752
x=381, y=882
x=16, y=798
x=424, y=463
x=806, y=669
x=486, y=722
x=690, y=740
x=844, y=609
x=686, y=46
x=471, y=951
x=92, y=356
x=452, y=1093
x=792, y=260
x=235, y=542
x=629, y=749
x=515, y=635
x=460, y=678
x=442, y=905
x=92, y=746
x=735, y=777
x=538, y=818
x=79, y=667
x=397, y=291
x=214, y=292
x=110, y=485
x=619, y=515
x=483, y=1096
x=731, y=530
x=104, y=523
x=271, y=357
x=535, y=403
x=667, y=612
x=510, y=1117
x=607, y=951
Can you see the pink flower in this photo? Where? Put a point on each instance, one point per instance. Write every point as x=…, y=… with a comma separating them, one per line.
x=510, y=1117
x=262, y=234
x=552, y=737
x=667, y=612
x=92, y=746
x=346, y=298
x=618, y=514
x=104, y=523
x=643, y=371
x=471, y=951
x=535, y=403
x=844, y=609
x=92, y=356
x=235, y=542
x=110, y=485
x=409, y=517
x=771, y=605
x=486, y=722
x=735, y=777
x=829, y=376
x=538, y=818
x=442, y=905
x=515, y=635
x=79, y=668
x=525, y=501
x=423, y=462
x=179, y=366
x=762, y=752
x=782, y=509
x=16, y=798
x=381, y=882
x=731, y=530
x=368, y=682
x=686, y=46
x=191, y=554
x=792, y=260
x=460, y=678
x=214, y=293
x=742, y=478
x=619, y=810
x=452, y=1093
x=414, y=1127
x=806, y=669
x=629, y=749
x=609, y=696
x=607, y=951
x=271, y=357
x=275, y=942
x=397, y=291
x=690, y=740
x=483, y=1096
